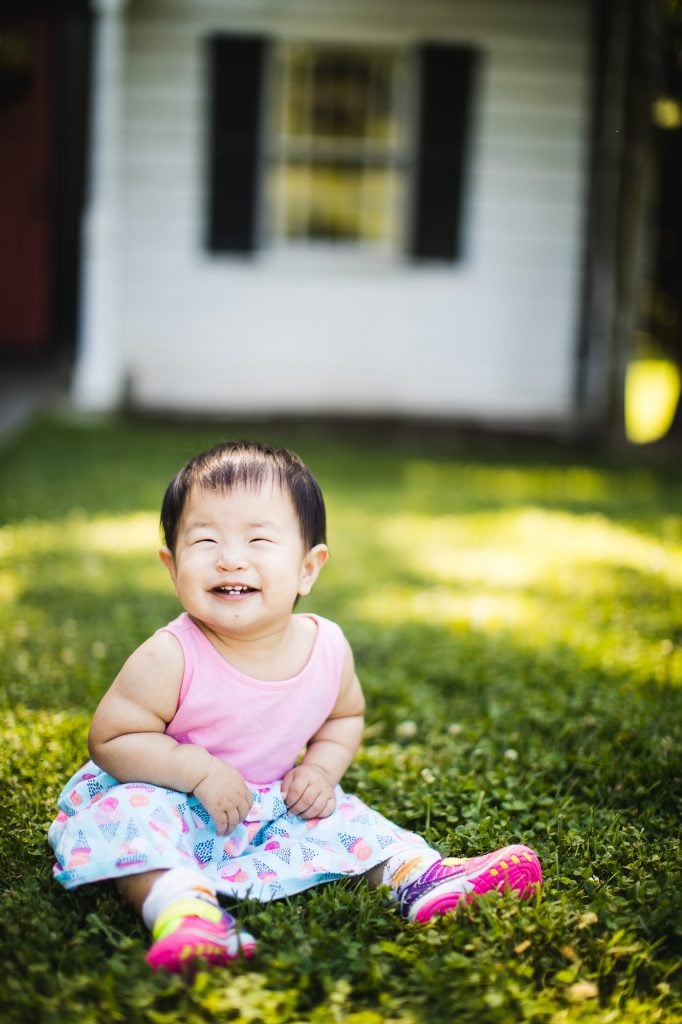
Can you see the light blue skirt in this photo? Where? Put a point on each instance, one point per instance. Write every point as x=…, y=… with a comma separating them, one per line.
x=106, y=829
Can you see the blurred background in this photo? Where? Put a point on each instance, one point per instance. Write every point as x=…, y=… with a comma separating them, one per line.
x=449, y=211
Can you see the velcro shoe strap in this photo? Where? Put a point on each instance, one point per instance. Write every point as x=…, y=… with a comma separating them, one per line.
x=171, y=918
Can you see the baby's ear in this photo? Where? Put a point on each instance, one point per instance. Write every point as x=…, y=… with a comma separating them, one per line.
x=166, y=556
x=311, y=568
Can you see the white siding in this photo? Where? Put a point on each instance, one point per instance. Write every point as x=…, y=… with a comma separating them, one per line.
x=490, y=338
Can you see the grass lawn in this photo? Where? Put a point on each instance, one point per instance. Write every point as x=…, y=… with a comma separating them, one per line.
x=517, y=622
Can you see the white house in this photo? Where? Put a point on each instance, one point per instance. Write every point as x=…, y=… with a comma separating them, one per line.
x=353, y=207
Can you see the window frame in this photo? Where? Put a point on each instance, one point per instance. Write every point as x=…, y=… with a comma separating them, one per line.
x=438, y=98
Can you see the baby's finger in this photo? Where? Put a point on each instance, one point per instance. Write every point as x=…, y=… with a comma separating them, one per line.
x=245, y=806
x=233, y=819
x=328, y=808
x=294, y=798
x=321, y=807
x=299, y=804
x=220, y=822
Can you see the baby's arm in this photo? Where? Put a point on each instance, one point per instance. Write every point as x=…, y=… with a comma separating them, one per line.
x=127, y=735
x=308, y=789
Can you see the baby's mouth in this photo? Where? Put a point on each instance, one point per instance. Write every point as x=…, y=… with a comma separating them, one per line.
x=234, y=590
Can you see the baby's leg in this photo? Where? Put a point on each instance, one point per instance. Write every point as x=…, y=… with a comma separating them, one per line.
x=375, y=875
x=180, y=908
x=153, y=826
x=135, y=888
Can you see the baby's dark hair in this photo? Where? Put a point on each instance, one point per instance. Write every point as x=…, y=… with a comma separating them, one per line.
x=249, y=464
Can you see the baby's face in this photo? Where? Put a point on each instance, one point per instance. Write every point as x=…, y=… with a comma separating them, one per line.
x=240, y=561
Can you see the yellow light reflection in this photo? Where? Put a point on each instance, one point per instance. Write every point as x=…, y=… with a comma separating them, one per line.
x=652, y=391
x=667, y=113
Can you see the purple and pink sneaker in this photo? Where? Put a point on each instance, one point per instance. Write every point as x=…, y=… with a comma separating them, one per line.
x=441, y=888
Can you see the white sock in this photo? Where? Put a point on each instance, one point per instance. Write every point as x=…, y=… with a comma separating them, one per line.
x=176, y=884
x=407, y=865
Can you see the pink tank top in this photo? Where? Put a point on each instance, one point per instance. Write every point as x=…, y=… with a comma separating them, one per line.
x=258, y=727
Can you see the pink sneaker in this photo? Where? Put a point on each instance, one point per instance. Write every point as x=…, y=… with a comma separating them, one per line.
x=449, y=880
x=192, y=930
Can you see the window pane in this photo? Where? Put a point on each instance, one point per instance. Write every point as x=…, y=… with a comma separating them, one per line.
x=337, y=202
x=338, y=94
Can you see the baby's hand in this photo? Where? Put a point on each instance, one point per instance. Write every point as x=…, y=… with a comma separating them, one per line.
x=308, y=792
x=225, y=796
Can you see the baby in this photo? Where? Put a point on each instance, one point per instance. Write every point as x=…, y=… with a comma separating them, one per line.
x=218, y=750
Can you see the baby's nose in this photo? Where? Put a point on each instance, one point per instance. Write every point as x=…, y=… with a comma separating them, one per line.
x=232, y=556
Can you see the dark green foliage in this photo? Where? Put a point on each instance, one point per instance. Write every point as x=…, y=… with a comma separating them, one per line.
x=517, y=623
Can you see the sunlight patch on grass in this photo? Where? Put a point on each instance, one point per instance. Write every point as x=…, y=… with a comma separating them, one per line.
x=78, y=549
x=439, y=605
x=128, y=534
x=542, y=577
x=125, y=534
x=522, y=546
x=9, y=586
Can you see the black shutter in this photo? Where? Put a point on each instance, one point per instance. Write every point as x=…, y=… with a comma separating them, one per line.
x=446, y=74
x=235, y=66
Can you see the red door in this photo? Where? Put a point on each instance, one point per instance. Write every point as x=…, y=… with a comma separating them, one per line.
x=25, y=179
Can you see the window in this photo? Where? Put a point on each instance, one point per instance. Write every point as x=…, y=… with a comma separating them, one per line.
x=336, y=150
x=334, y=158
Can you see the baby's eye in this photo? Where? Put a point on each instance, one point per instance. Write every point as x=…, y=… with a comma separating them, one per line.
x=204, y=540
x=261, y=540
